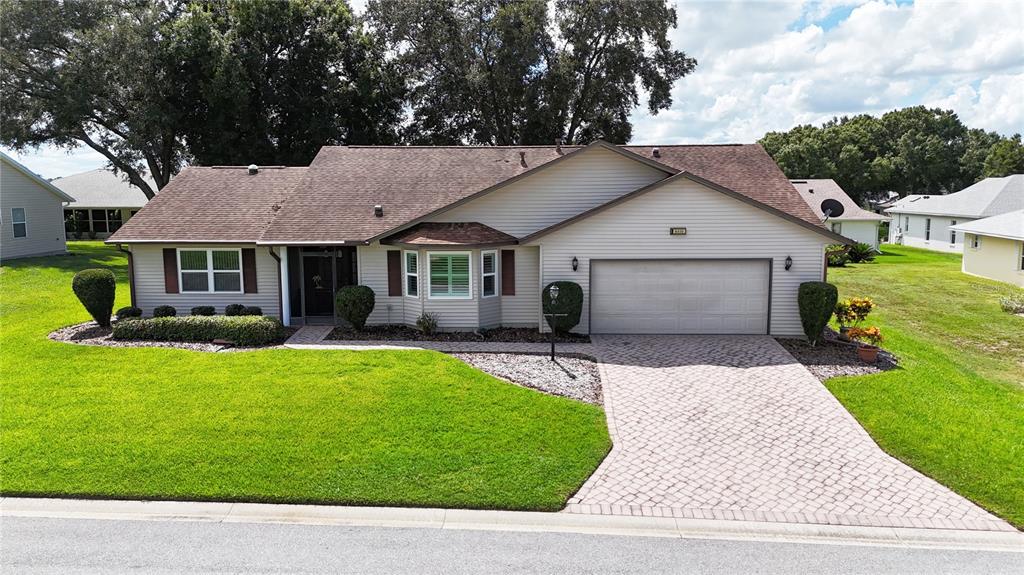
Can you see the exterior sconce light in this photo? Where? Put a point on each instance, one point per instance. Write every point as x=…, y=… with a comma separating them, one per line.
x=789, y=262
x=575, y=264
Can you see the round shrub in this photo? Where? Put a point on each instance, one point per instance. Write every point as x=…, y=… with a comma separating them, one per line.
x=817, y=301
x=203, y=310
x=128, y=312
x=234, y=309
x=354, y=304
x=568, y=302
x=95, y=289
x=252, y=310
x=246, y=331
x=164, y=311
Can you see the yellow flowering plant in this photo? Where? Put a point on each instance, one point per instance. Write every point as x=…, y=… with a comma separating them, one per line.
x=869, y=335
x=853, y=311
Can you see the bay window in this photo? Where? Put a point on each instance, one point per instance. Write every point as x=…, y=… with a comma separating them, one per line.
x=210, y=270
x=450, y=274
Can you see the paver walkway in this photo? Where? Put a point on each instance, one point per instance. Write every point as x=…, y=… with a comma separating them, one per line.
x=732, y=427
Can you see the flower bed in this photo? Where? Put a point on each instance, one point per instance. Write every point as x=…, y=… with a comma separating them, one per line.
x=834, y=358
x=405, y=333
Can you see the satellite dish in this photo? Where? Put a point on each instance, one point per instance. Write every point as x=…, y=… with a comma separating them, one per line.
x=832, y=208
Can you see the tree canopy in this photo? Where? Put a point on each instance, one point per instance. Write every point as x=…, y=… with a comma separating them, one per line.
x=913, y=150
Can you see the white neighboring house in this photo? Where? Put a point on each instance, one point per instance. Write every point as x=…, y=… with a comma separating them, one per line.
x=928, y=221
x=103, y=202
x=856, y=223
x=31, y=220
x=994, y=247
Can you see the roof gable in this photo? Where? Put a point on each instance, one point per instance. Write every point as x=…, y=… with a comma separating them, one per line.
x=989, y=197
x=11, y=162
x=816, y=191
x=1009, y=225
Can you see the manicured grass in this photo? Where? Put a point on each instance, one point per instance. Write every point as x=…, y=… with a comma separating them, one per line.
x=955, y=408
x=373, y=428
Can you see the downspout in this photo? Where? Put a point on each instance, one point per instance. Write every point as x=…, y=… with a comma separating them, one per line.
x=280, y=303
x=131, y=272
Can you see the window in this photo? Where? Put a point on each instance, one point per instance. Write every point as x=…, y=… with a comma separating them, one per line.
x=449, y=275
x=906, y=223
x=837, y=228
x=202, y=270
x=412, y=274
x=975, y=241
x=927, y=229
x=489, y=273
x=952, y=233
x=19, y=223
x=1021, y=260
x=100, y=221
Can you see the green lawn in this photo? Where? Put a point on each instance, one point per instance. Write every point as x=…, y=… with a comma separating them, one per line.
x=955, y=408
x=374, y=428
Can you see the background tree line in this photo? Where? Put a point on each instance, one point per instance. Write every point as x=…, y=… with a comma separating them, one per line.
x=152, y=85
x=913, y=150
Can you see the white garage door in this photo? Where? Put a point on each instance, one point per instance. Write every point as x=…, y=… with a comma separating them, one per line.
x=679, y=296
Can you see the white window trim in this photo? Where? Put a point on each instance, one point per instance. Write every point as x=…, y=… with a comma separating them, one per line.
x=975, y=241
x=209, y=270
x=406, y=274
x=1020, y=258
x=24, y=221
x=469, y=257
x=494, y=274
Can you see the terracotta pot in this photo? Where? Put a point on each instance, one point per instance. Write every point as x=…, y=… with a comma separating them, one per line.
x=868, y=353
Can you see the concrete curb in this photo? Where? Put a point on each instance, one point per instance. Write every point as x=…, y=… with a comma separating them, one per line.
x=525, y=521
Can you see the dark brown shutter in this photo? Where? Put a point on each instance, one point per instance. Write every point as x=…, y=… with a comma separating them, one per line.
x=394, y=273
x=508, y=272
x=170, y=270
x=249, y=269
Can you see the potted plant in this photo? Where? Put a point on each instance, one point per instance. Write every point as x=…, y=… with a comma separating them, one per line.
x=869, y=338
x=850, y=313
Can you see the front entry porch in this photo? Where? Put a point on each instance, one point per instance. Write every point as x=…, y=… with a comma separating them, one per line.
x=313, y=275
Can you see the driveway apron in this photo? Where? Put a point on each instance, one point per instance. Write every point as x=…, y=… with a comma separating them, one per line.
x=732, y=427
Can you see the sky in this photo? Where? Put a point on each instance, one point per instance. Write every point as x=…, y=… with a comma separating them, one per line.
x=771, y=65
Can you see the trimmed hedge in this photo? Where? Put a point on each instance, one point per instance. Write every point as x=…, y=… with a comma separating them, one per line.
x=817, y=301
x=568, y=302
x=354, y=304
x=204, y=310
x=164, y=311
x=95, y=289
x=252, y=310
x=234, y=309
x=128, y=312
x=240, y=330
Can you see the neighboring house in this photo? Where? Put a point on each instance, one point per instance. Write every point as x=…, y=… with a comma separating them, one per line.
x=927, y=221
x=994, y=247
x=103, y=202
x=676, y=239
x=31, y=220
x=855, y=223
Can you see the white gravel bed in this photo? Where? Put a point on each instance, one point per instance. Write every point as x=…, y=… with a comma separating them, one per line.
x=90, y=333
x=573, y=377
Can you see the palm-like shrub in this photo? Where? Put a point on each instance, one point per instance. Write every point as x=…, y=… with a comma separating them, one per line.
x=354, y=305
x=860, y=253
x=95, y=289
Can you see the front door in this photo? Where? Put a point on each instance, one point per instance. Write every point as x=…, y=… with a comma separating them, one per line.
x=318, y=283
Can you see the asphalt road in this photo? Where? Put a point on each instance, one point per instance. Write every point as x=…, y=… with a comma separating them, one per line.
x=30, y=545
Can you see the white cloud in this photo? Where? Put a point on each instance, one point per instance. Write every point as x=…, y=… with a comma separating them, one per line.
x=766, y=66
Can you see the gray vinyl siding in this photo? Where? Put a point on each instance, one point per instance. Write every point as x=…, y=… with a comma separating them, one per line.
x=587, y=180
x=372, y=262
x=44, y=216
x=148, y=264
x=915, y=235
x=717, y=227
x=523, y=309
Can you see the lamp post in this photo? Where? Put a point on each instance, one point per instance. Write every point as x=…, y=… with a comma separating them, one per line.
x=553, y=295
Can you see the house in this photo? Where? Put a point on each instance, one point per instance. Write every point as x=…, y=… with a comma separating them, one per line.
x=103, y=201
x=994, y=247
x=31, y=220
x=855, y=222
x=927, y=221
x=671, y=239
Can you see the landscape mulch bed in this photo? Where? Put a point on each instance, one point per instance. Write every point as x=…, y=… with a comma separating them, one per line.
x=405, y=333
x=833, y=357
x=90, y=333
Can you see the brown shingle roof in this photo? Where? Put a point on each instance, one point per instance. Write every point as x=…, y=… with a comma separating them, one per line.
x=333, y=200
x=219, y=204
x=450, y=234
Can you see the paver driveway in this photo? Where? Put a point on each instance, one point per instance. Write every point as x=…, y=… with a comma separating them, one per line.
x=732, y=427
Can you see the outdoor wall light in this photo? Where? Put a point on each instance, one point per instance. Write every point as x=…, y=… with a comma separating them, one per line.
x=575, y=264
x=789, y=262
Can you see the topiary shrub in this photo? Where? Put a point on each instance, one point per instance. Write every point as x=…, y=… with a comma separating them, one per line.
x=354, y=304
x=816, y=300
x=234, y=309
x=95, y=289
x=164, y=311
x=252, y=310
x=861, y=252
x=203, y=310
x=128, y=313
x=568, y=302
x=240, y=330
